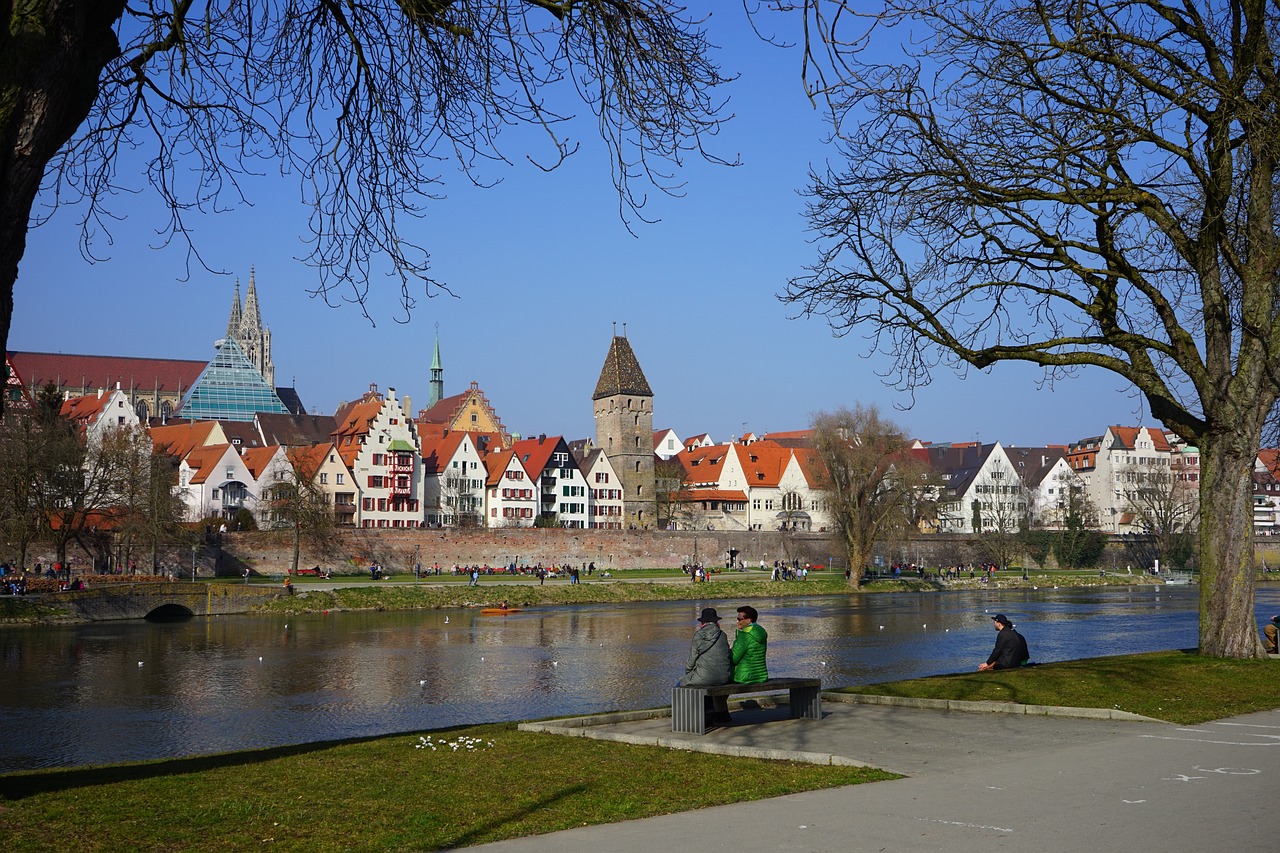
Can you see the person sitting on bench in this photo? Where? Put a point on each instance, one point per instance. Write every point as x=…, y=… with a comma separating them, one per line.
x=750, y=643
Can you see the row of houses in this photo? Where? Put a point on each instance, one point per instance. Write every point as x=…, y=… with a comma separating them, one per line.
x=379, y=467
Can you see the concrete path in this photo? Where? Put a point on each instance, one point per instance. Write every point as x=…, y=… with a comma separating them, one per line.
x=976, y=782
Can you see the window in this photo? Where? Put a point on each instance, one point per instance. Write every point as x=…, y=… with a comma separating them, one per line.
x=324, y=479
x=339, y=479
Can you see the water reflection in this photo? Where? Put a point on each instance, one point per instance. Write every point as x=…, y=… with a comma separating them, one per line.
x=130, y=691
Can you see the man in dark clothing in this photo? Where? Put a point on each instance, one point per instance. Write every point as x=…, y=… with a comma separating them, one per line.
x=1011, y=649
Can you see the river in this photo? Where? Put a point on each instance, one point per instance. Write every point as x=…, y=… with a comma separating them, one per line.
x=127, y=691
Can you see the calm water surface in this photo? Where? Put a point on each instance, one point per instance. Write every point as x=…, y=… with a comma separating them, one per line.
x=113, y=692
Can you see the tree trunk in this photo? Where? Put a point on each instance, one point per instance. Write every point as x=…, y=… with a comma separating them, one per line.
x=297, y=544
x=1227, y=627
x=52, y=53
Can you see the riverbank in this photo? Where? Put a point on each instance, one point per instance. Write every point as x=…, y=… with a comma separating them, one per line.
x=315, y=595
x=458, y=787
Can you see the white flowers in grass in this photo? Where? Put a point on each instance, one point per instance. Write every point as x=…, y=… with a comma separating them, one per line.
x=462, y=744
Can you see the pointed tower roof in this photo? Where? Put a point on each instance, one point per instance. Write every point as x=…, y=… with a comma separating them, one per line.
x=252, y=315
x=437, y=374
x=230, y=389
x=233, y=322
x=621, y=373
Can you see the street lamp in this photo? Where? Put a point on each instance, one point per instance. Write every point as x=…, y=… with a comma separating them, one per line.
x=193, y=563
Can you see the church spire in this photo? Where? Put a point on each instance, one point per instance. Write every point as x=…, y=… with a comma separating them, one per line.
x=437, y=374
x=233, y=322
x=252, y=315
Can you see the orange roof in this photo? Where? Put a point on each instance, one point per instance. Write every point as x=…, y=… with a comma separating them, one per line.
x=1127, y=437
x=204, y=460
x=762, y=462
x=496, y=464
x=438, y=450
x=83, y=411
x=711, y=495
x=354, y=421
x=256, y=459
x=1270, y=459
x=307, y=459
x=535, y=453
x=180, y=439
x=702, y=464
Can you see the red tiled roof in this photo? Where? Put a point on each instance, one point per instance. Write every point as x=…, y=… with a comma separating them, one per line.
x=73, y=372
x=180, y=439
x=256, y=459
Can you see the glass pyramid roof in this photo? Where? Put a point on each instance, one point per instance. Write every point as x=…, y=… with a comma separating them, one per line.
x=230, y=389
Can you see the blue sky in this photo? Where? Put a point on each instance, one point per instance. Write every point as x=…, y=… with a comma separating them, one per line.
x=542, y=267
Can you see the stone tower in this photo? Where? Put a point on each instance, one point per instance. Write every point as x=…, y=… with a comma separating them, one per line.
x=244, y=326
x=624, y=431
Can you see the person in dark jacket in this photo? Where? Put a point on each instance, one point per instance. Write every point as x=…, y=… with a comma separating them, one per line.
x=708, y=662
x=1011, y=649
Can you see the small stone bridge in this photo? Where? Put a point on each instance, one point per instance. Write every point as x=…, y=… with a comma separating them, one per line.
x=161, y=601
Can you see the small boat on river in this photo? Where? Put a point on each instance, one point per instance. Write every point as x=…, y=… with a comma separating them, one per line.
x=498, y=611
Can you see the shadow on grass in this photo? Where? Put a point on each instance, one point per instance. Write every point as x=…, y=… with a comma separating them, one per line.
x=22, y=784
x=482, y=832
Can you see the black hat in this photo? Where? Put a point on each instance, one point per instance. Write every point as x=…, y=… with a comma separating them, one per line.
x=1002, y=619
x=709, y=615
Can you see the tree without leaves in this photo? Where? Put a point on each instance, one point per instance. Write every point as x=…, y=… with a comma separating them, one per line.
x=870, y=479
x=362, y=102
x=299, y=503
x=1070, y=184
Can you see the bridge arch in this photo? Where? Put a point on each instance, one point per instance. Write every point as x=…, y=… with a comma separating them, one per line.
x=170, y=612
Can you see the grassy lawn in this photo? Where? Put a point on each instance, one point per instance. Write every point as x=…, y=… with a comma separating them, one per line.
x=480, y=784
x=1177, y=686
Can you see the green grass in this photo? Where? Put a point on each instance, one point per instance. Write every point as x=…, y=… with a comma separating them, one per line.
x=383, y=794
x=1177, y=686
x=411, y=596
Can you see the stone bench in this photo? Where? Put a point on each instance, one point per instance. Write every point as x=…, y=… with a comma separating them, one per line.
x=688, y=704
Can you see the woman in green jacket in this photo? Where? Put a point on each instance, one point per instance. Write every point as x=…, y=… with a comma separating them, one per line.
x=749, y=645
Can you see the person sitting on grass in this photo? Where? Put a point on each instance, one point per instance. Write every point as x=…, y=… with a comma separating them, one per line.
x=1011, y=649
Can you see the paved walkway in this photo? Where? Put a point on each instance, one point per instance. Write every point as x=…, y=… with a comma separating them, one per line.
x=976, y=782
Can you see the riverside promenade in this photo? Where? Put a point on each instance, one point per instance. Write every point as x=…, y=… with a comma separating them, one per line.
x=975, y=782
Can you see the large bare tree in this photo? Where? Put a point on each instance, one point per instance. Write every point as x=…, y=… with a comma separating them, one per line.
x=871, y=481
x=1075, y=184
x=362, y=102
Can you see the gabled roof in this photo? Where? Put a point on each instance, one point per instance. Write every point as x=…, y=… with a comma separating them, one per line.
x=495, y=465
x=16, y=395
x=354, y=421
x=762, y=463
x=256, y=459
x=535, y=453
x=1033, y=464
x=84, y=411
x=621, y=373
x=703, y=464
x=437, y=451
x=308, y=459
x=180, y=439
x=959, y=463
x=242, y=434
x=293, y=429
x=1126, y=438
x=204, y=461
x=73, y=372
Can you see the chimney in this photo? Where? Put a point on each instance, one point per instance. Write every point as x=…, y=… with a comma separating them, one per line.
x=407, y=404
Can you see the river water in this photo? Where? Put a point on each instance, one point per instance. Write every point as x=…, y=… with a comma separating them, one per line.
x=129, y=691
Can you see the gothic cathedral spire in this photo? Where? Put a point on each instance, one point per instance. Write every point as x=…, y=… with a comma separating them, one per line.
x=245, y=327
